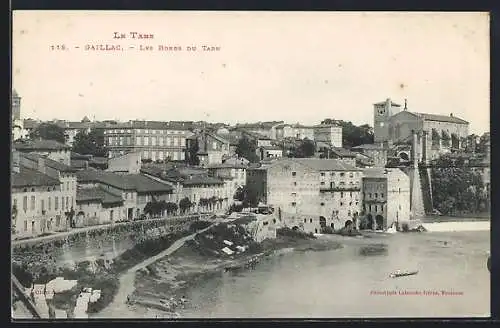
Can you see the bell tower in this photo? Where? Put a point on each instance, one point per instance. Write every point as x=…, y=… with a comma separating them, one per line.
x=382, y=113
x=16, y=106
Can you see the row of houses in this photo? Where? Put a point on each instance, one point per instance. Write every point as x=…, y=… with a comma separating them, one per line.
x=49, y=196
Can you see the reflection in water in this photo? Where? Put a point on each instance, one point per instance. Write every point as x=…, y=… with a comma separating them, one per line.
x=345, y=282
x=374, y=249
x=89, y=248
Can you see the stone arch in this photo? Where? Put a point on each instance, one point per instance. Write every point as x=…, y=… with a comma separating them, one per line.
x=347, y=223
x=369, y=222
x=322, y=221
x=379, y=222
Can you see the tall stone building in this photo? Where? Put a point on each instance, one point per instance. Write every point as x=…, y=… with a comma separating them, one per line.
x=437, y=134
x=17, y=123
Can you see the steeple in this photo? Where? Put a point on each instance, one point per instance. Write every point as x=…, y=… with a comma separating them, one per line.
x=406, y=104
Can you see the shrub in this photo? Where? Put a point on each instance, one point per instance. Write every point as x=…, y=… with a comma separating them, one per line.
x=405, y=227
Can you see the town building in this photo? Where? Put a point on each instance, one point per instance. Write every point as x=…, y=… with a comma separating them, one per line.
x=212, y=149
x=65, y=174
x=136, y=190
x=236, y=171
x=16, y=122
x=386, y=198
x=49, y=148
x=205, y=193
x=310, y=193
x=377, y=152
x=437, y=134
x=96, y=205
x=328, y=133
x=263, y=128
x=35, y=210
x=129, y=163
x=155, y=140
x=343, y=154
x=265, y=152
x=295, y=131
x=52, y=194
x=83, y=162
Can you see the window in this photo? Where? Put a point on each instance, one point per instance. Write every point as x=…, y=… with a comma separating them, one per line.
x=322, y=183
x=370, y=195
x=322, y=174
x=350, y=203
x=310, y=220
x=342, y=174
x=350, y=194
x=294, y=194
x=25, y=203
x=294, y=174
x=305, y=220
x=295, y=183
x=42, y=204
x=351, y=175
x=376, y=195
x=138, y=141
x=293, y=204
x=381, y=195
x=399, y=190
x=322, y=204
x=32, y=207
x=341, y=204
x=341, y=194
x=50, y=203
x=67, y=202
x=56, y=203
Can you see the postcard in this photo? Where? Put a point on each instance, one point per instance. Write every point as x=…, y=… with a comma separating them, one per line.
x=190, y=164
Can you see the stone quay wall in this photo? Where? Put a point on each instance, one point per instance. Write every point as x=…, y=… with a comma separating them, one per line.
x=42, y=250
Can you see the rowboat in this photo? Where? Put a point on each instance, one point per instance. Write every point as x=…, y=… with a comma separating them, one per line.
x=399, y=273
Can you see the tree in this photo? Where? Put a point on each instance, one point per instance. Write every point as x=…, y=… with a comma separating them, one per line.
x=91, y=143
x=457, y=188
x=185, y=204
x=171, y=208
x=246, y=148
x=192, y=157
x=48, y=131
x=307, y=148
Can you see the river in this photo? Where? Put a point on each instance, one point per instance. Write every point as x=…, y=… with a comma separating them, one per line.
x=348, y=282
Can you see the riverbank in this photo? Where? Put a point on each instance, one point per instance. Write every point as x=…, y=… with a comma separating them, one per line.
x=158, y=290
x=101, y=274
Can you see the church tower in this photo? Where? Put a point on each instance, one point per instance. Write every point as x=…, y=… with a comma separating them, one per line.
x=382, y=113
x=16, y=106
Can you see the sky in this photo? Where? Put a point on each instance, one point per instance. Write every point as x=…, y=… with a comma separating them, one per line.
x=291, y=66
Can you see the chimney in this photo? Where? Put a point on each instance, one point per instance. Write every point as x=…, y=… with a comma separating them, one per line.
x=41, y=164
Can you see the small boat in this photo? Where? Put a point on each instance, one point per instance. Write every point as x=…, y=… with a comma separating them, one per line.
x=399, y=273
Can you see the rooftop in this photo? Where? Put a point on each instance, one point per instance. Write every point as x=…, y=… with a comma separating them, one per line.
x=342, y=152
x=227, y=165
x=322, y=164
x=97, y=193
x=49, y=162
x=441, y=118
x=186, y=177
x=138, y=182
x=369, y=146
x=31, y=178
x=155, y=125
x=40, y=145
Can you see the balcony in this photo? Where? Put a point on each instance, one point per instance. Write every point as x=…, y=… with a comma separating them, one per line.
x=339, y=188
